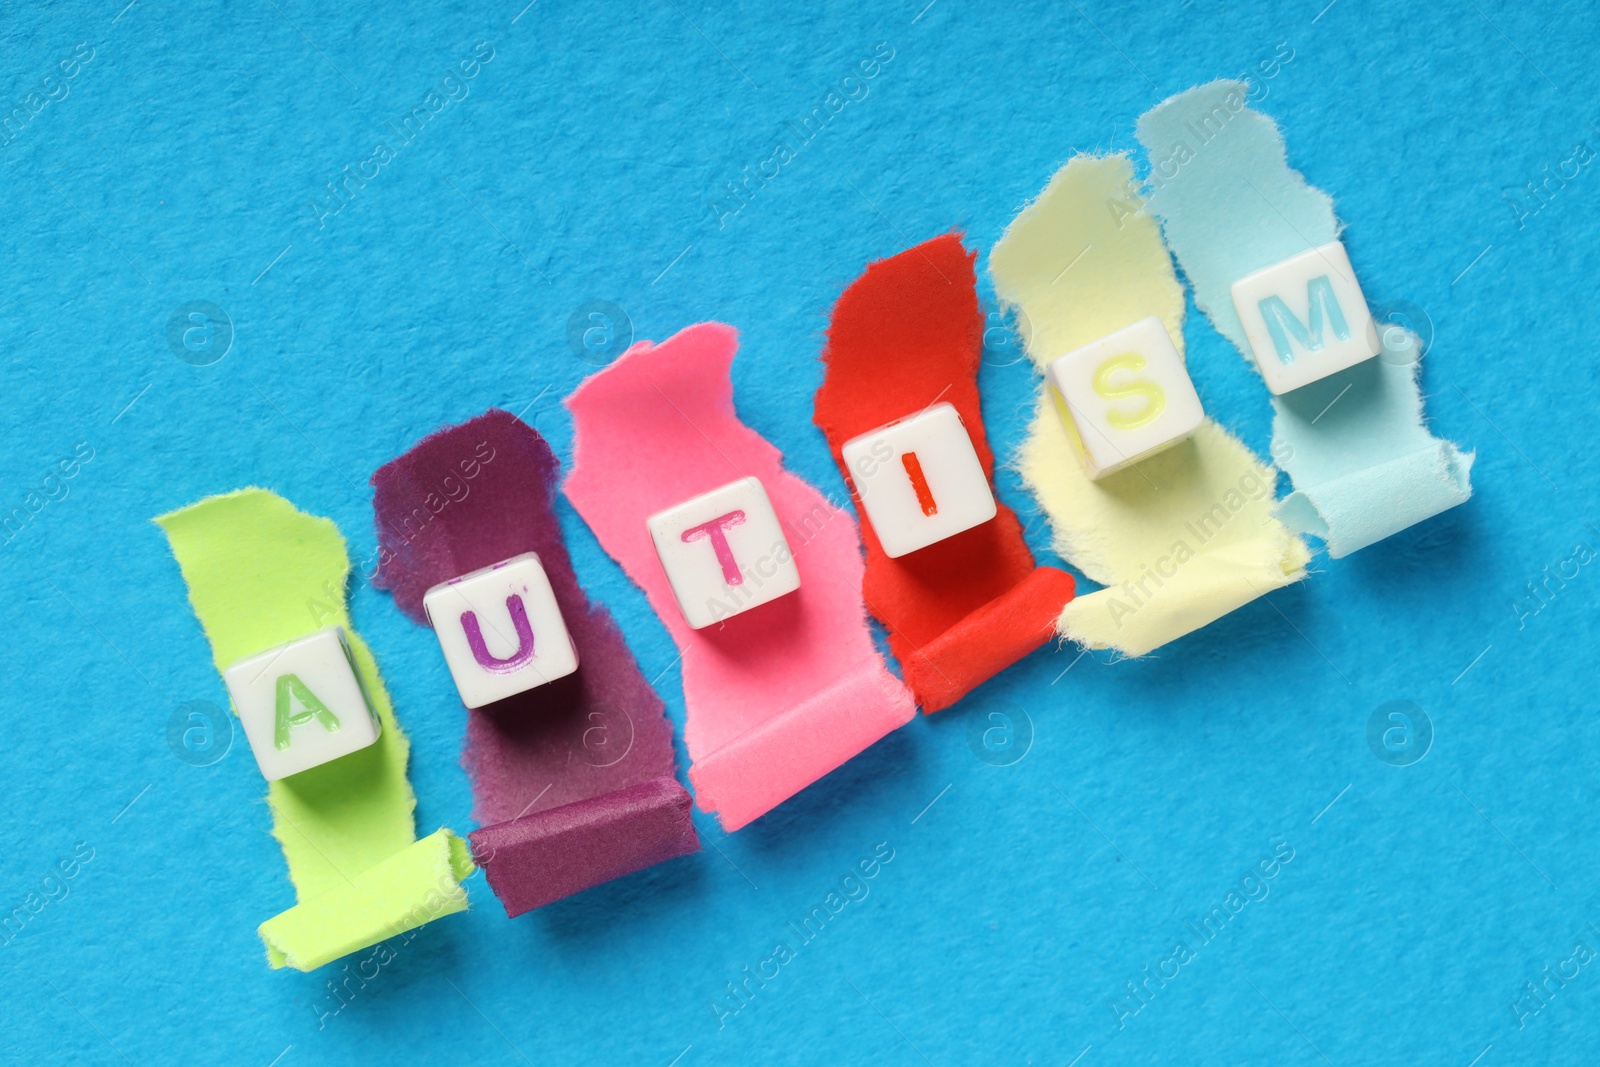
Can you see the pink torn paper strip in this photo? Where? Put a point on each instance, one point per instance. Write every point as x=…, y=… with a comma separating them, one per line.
x=574, y=782
x=781, y=694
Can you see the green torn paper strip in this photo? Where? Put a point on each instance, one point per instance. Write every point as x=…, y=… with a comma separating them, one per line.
x=261, y=573
x=1179, y=539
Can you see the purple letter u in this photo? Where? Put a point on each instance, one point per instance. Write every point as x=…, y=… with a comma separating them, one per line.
x=519, y=622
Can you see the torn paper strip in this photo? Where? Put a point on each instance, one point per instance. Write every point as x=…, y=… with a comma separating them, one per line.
x=574, y=782
x=261, y=573
x=1363, y=464
x=783, y=693
x=907, y=335
x=1185, y=536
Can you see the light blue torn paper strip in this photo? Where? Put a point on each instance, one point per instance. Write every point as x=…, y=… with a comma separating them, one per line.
x=1363, y=465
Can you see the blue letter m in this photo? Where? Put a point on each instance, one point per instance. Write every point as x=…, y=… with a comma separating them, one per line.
x=1281, y=322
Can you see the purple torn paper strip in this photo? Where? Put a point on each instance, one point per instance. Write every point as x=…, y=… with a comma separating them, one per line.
x=574, y=782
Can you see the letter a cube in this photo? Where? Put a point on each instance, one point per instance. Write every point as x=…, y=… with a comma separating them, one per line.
x=302, y=703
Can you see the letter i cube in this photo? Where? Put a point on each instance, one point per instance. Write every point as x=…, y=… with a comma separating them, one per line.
x=302, y=704
x=919, y=480
x=1126, y=396
x=1305, y=318
x=724, y=552
x=501, y=630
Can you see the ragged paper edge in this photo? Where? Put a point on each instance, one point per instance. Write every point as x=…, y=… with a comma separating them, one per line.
x=409, y=889
x=1361, y=505
x=777, y=758
x=1078, y=263
x=245, y=611
x=989, y=639
x=1415, y=483
x=532, y=860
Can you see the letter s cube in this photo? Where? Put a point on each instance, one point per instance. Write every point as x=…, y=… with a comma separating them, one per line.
x=1126, y=396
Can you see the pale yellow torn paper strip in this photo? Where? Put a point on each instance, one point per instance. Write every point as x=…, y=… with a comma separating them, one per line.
x=1179, y=539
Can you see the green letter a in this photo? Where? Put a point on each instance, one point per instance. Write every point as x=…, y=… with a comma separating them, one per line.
x=313, y=709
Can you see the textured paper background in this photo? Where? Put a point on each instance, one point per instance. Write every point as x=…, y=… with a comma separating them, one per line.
x=595, y=142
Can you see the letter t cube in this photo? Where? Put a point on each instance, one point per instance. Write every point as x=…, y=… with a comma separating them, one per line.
x=724, y=552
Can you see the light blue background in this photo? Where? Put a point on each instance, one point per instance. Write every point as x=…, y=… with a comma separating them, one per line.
x=582, y=166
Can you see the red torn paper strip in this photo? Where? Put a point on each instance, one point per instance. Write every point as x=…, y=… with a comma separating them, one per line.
x=574, y=782
x=906, y=335
x=779, y=695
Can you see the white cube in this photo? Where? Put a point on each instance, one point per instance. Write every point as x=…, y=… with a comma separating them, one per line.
x=302, y=704
x=919, y=480
x=1127, y=396
x=1305, y=318
x=501, y=630
x=724, y=552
